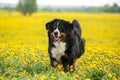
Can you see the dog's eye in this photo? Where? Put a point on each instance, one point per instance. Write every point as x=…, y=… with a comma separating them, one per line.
x=59, y=27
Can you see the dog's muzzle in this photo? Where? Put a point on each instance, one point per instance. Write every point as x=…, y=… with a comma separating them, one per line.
x=56, y=36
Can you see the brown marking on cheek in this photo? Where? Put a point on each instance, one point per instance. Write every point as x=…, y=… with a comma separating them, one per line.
x=51, y=36
x=62, y=36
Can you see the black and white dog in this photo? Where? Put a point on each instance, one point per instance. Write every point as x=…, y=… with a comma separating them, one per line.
x=65, y=43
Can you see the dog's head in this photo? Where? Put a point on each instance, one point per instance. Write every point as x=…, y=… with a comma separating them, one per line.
x=59, y=29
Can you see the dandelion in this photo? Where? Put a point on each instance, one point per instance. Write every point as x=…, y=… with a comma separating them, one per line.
x=8, y=58
x=53, y=77
x=59, y=67
x=71, y=68
x=113, y=74
x=42, y=77
x=114, y=78
x=75, y=77
x=36, y=75
x=12, y=53
x=24, y=72
x=87, y=79
x=109, y=75
x=62, y=72
x=1, y=78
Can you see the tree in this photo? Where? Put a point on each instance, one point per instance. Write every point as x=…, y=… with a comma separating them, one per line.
x=27, y=6
x=115, y=8
x=106, y=8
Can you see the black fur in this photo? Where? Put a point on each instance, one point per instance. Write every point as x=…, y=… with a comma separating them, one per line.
x=75, y=44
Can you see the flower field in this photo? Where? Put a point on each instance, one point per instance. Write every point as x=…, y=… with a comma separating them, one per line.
x=24, y=41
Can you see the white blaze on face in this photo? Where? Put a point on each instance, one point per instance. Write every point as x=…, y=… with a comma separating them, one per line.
x=57, y=31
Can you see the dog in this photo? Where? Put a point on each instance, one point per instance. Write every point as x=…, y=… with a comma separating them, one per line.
x=65, y=43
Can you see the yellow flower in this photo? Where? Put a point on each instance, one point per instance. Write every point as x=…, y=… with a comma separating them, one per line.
x=71, y=67
x=36, y=75
x=8, y=58
x=113, y=74
x=75, y=77
x=59, y=66
x=24, y=72
x=114, y=78
x=1, y=78
x=12, y=53
x=109, y=75
x=87, y=79
x=42, y=77
x=62, y=72
x=71, y=70
x=53, y=77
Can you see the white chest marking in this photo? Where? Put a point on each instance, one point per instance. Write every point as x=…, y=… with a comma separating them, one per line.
x=58, y=51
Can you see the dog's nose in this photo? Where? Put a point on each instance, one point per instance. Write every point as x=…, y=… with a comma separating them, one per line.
x=56, y=34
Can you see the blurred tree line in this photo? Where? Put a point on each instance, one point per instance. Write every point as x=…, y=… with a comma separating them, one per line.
x=104, y=9
x=115, y=8
x=30, y=6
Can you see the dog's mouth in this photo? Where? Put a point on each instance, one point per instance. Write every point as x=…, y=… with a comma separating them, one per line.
x=56, y=38
x=61, y=37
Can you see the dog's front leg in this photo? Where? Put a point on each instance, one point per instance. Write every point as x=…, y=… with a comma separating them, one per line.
x=53, y=62
x=65, y=63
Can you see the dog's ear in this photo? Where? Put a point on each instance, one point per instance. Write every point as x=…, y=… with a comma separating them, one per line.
x=48, y=25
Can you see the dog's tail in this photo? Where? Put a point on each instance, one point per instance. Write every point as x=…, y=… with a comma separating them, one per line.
x=77, y=25
x=81, y=41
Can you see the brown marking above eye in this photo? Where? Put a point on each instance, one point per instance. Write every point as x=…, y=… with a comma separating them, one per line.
x=62, y=36
x=59, y=26
x=54, y=27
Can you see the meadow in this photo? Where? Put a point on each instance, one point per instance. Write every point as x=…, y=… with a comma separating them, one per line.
x=24, y=42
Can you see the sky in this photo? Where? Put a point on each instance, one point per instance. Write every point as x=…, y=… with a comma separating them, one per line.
x=69, y=2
